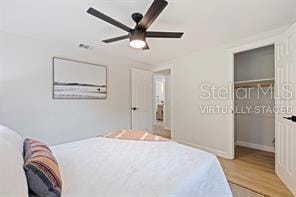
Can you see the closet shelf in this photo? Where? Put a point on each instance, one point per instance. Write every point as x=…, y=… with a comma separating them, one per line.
x=254, y=83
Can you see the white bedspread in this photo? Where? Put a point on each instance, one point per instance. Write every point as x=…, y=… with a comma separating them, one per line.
x=111, y=167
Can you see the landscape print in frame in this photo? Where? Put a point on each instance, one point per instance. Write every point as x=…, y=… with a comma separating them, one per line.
x=78, y=80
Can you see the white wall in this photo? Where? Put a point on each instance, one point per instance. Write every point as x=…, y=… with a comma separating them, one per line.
x=211, y=132
x=26, y=103
x=254, y=64
x=255, y=129
x=190, y=126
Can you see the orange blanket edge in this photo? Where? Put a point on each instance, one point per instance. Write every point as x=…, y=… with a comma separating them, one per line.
x=134, y=135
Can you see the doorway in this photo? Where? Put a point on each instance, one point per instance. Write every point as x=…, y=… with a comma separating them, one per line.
x=285, y=102
x=243, y=78
x=162, y=103
x=254, y=141
x=254, y=117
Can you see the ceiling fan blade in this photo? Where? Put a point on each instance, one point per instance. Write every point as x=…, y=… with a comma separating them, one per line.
x=156, y=34
x=107, y=19
x=153, y=12
x=115, y=39
x=146, y=47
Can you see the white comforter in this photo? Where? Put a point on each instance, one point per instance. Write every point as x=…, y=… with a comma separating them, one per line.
x=111, y=167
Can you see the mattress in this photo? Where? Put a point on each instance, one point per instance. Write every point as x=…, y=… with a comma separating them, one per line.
x=113, y=167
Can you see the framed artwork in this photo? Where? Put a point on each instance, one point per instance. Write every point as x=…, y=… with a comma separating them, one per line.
x=78, y=80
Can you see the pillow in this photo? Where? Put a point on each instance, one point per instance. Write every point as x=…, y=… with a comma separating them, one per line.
x=12, y=137
x=13, y=181
x=41, y=169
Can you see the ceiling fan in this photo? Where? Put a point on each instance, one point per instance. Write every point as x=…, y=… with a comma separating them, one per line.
x=138, y=35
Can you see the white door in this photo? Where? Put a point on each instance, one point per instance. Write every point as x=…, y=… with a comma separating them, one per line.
x=285, y=98
x=141, y=99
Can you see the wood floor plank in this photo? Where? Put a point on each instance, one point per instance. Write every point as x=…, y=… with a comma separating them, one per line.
x=254, y=169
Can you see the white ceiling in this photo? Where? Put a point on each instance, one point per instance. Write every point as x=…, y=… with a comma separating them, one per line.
x=206, y=23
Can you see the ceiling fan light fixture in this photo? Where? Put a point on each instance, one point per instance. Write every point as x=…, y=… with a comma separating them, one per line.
x=137, y=39
x=138, y=44
x=137, y=35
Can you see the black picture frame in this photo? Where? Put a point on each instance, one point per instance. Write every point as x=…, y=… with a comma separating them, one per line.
x=55, y=84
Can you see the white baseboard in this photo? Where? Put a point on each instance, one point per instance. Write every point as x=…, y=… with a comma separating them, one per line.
x=216, y=152
x=255, y=146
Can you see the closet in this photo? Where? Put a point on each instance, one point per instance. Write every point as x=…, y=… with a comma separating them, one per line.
x=254, y=98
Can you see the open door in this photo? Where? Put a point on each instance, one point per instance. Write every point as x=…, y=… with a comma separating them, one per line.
x=285, y=100
x=141, y=99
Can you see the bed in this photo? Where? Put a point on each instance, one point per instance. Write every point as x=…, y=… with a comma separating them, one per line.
x=112, y=167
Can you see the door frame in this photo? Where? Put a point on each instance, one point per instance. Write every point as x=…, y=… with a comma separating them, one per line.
x=230, y=58
x=154, y=99
x=163, y=68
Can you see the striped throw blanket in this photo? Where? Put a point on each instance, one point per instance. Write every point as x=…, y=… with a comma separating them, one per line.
x=134, y=135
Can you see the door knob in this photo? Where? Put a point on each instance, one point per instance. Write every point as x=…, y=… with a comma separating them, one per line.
x=292, y=118
x=134, y=108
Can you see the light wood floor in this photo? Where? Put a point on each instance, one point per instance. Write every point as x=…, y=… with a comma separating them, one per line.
x=238, y=191
x=254, y=169
x=160, y=130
